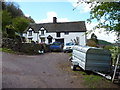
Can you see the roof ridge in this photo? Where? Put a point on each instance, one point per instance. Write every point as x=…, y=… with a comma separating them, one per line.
x=57, y=22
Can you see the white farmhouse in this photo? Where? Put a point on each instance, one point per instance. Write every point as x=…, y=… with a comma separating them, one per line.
x=57, y=31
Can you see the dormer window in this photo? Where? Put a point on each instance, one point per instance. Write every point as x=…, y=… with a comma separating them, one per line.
x=30, y=32
x=42, y=28
x=42, y=31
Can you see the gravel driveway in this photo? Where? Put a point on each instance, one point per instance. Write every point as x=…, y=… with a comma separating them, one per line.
x=38, y=71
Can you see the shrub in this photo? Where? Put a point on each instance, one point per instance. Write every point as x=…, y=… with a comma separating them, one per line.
x=91, y=43
x=115, y=50
x=28, y=48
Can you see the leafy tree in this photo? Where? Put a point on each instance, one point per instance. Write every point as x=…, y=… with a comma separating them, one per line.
x=20, y=24
x=91, y=43
x=6, y=20
x=10, y=32
x=106, y=13
x=3, y=5
x=14, y=9
x=13, y=20
x=108, y=16
x=30, y=19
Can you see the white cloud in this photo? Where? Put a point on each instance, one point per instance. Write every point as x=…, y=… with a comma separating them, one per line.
x=50, y=16
x=100, y=33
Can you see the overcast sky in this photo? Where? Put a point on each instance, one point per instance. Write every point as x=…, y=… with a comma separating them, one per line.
x=43, y=11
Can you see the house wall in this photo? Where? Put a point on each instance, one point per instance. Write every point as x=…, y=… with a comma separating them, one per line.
x=67, y=38
x=74, y=35
x=34, y=36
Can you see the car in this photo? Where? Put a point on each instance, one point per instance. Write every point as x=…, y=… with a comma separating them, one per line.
x=68, y=47
x=56, y=46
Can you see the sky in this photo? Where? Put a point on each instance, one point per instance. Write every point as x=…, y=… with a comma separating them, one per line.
x=43, y=11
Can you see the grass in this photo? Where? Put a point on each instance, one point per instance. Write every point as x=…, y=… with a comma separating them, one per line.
x=7, y=50
x=95, y=81
x=70, y=54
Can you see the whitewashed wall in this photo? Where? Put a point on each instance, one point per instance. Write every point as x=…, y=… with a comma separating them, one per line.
x=73, y=35
x=67, y=38
x=34, y=36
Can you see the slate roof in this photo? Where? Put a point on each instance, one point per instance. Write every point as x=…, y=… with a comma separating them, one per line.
x=60, y=27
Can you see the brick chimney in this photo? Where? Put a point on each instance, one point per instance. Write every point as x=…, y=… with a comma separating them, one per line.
x=54, y=20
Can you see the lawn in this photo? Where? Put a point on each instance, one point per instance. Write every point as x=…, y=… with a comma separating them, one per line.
x=7, y=50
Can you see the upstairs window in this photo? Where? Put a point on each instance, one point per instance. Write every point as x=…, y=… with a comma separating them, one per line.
x=30, y=40
x=30, y=33
x=58, y=34
x=42, y=32
x=66, y=33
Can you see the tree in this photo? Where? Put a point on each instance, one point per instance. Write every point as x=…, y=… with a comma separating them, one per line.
x=91, y=43
x=30, y=19
x=20, y=24
x=6, y=20
x=106, y=13
x=14, y=9
x=108, y=16
x=13, y=20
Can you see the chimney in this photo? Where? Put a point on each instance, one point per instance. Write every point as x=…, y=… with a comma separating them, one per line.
x=54, y=20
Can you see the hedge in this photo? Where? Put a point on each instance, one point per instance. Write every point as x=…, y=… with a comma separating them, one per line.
x=28, y=48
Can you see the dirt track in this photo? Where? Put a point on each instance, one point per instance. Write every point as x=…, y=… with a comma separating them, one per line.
x=39, y=71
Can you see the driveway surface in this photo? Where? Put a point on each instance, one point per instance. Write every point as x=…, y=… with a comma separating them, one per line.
x=38, y=71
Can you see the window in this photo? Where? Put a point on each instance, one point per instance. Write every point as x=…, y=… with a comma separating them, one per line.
x=42, y=32
x=66, y=33
x=42, y=40
x=58, y=34
x=30, y=39
x=30, y=33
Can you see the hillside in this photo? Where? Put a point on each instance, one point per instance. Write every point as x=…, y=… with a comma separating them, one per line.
x=103, y=42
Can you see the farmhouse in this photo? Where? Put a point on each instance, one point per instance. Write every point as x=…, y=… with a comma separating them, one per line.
x=56, y=31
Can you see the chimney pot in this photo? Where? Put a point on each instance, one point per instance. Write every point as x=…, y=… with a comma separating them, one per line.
x=54, y=20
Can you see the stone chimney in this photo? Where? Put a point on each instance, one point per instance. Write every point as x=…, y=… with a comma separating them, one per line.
x=54, y=20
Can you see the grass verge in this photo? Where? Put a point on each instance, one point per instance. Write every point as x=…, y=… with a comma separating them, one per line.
x=7, y=50
x=95, y=81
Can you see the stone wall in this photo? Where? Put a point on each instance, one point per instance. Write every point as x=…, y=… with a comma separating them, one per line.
x=29, y=48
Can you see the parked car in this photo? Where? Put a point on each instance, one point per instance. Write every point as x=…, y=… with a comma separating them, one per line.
x=68, y=47
x=56, y=46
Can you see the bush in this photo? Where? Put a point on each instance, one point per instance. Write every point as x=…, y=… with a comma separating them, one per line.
x=28, y=48
x=91, y=43
x=115, y=50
